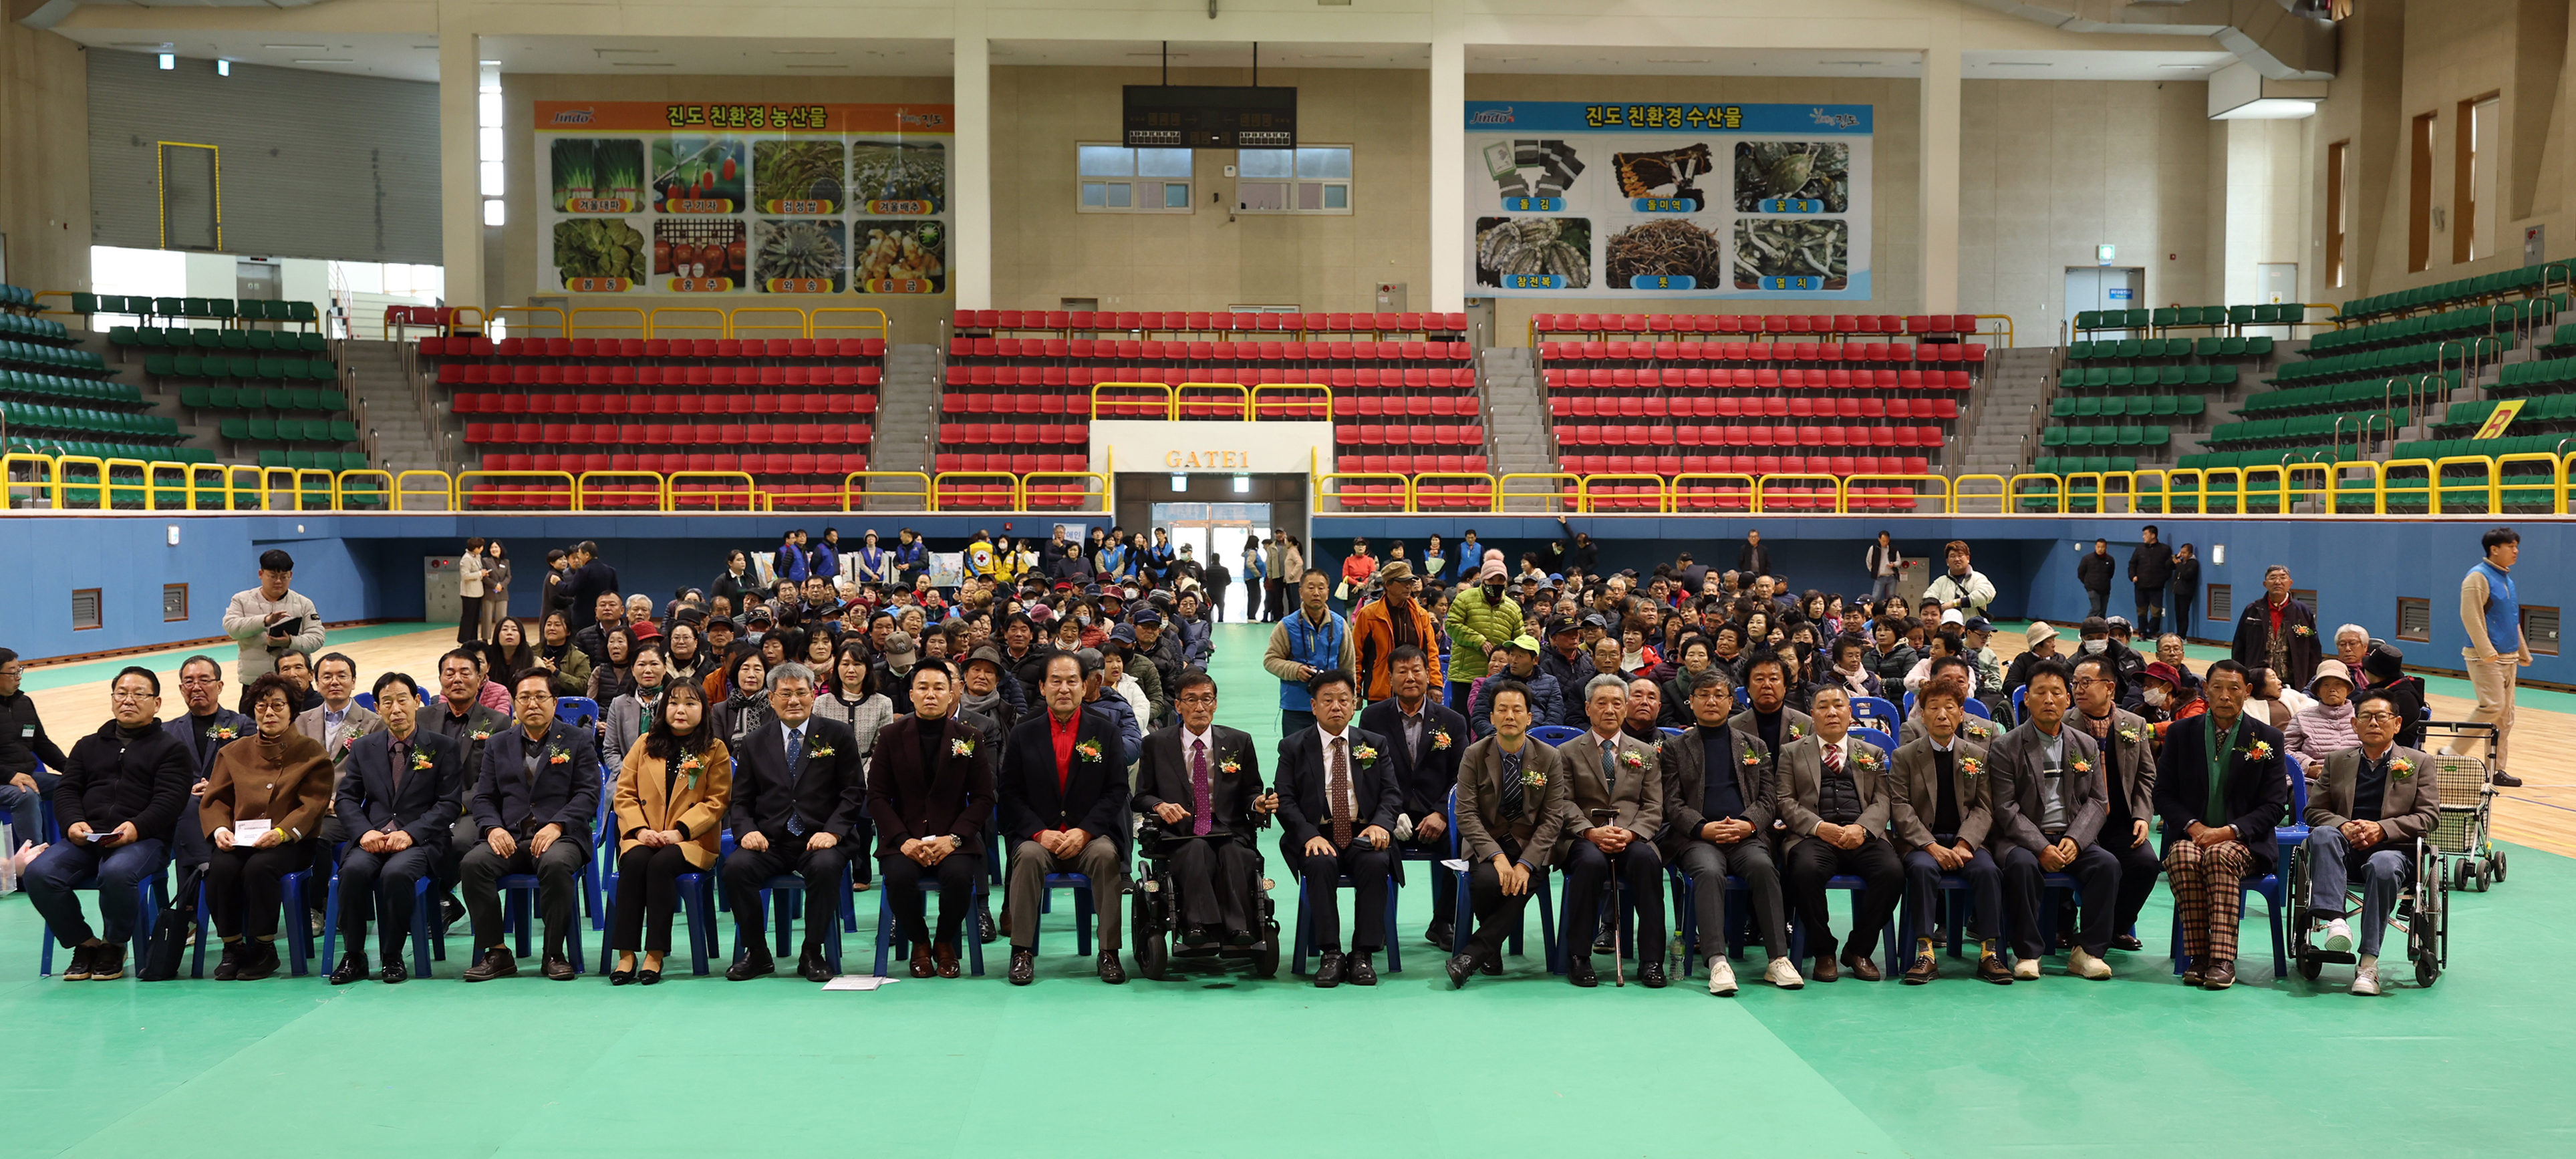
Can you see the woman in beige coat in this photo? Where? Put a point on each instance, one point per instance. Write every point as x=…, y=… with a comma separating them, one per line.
x=670, y=805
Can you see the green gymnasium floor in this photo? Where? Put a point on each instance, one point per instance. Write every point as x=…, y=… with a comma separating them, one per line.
x=1522, y=1064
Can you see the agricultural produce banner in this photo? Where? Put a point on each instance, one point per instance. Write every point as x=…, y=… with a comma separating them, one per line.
x=1574, y=199
x=650, y=197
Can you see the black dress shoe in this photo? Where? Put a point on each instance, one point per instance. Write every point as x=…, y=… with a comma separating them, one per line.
x=1461, y=966
x=750, y=967
x=648, y=977
x=395, y=974
x=107, y=964
x=228, y=968
x=78, y=970
x=1328, y=970
x=450, y=912
x=984, y=929
x=352, y=967
x=1359, y=971
x=496, y=963
x=259, y=960
x=1441, y=934
x=2128, y=942
x=2506, y=781
x=1579, y=972
x=1110, y=971
x=621, y=977
x=1861, y=967
x=1024, y=966
x=559, y=968
x=1493, y=964
x=813, y=966
x=1241, y=938
x=1652, y=974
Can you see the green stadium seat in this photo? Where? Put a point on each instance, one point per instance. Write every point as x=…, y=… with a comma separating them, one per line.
x=2053, y=436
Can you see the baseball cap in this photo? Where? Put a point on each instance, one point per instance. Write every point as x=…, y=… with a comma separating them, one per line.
x=1560, y=625
x=1149, y=618
x=1980, y=624
x=2165, y=672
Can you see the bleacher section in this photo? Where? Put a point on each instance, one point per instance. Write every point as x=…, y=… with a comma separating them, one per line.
x=223, y=310
x=57, y=399
x=1822, y=326
x=791, y=413
x=274, y=396
x=2522, y=283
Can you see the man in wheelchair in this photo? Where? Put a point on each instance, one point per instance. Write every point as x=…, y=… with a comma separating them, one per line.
x=1200, y=799
x=2371, y=808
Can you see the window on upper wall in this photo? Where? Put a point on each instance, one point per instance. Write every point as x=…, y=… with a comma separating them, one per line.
x=2473, y=196
x=2338, y=208
x=1117, y=179
x=1306, y=179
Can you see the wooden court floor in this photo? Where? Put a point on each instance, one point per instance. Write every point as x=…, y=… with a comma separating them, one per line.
x=2542, y=750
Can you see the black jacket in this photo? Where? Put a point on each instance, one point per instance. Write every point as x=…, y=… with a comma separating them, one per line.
x=22, y=739
x=2185, y=584
x=1163, y=775
x=565, y=793
x=2254, y=797
x=1092, y=797
x=1303, y=784
x=424, y=805
x=2151, y=565
x=1753, y=559
x=112, y=779
x=1423, y=784
x=2094, y=572
x=826, y=792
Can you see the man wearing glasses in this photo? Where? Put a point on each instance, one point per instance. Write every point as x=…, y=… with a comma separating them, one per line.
x=2371, y=802
x=2127, y=744
x=120, y=794
x=202, y=733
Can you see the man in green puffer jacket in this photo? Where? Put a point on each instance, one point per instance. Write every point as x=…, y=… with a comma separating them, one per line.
x=1480, y=620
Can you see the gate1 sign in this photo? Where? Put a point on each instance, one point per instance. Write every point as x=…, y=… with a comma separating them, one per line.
x=1574, y=199
x=1169, y=448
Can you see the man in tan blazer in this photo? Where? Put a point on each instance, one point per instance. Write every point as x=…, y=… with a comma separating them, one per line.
x=1941, y=815
x=1609, y=774
x=1511, y=798
x=2371, y=803
x=1834, y=803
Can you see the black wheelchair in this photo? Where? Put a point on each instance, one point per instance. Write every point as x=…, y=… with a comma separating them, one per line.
x=1154, y=932
x=2422, y=914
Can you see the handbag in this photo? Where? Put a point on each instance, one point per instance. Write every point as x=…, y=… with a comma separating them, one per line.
x=1342, y=591
x=168, y=944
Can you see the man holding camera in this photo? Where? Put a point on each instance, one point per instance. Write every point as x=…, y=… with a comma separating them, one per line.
x=271, y=620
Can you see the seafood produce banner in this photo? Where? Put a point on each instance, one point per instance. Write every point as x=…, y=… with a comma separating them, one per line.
x=655, y=197
x=1572, y=199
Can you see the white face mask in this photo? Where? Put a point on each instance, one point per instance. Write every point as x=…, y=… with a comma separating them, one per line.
x=2157, y=697
x=2096, y=645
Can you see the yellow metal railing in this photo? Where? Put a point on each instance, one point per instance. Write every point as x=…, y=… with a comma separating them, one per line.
x=1094, y=495
x=1555, y=497
x=1764, y=485
x=1338, y=488
x=1589, y=491
x=1239, y=404
x=817, y=325
x=1911, y=497
x=1477, y=494
x=942, y=498
x=587, y=496
x=1169, y=405
x=480, y=318
x=735, y=483
x=611, y=319
x=680, y=321
x=2007, y=330
x=1686, y=498
x=736, y=326
x=404, y=492
x=1297, y=408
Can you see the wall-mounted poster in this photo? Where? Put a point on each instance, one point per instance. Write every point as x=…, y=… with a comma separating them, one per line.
x=1573, y=199
x=650, y=197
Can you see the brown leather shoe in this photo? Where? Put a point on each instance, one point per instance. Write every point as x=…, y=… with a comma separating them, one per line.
x=2220, y=975
x=1825, y=970
x=922, y=965
x=1991, y=968
x=1861, y=967
x=946, y=955
x=1926, y=967
x=2191, y=977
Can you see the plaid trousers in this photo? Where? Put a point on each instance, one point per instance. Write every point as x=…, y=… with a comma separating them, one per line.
x=2208, y=895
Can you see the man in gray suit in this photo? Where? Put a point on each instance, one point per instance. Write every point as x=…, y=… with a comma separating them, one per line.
x=1941, y=817
x=2129, y=789
x=2370, y=804
x=1834, y=803
x=336, y=723
x=1511, y=805
x=1609, y=774
x=1718, y=807
x=2049, y=805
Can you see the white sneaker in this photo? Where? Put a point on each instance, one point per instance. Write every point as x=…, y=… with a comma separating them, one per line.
x=2084, y=965
x=1783, y=973
x=2026, y=970
x=2365, y=981
x=1721, y=978
x=2338, y=937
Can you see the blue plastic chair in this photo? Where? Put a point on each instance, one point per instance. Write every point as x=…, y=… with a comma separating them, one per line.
x=697, y=904
x=1885, y=742
x=151, y=894
x=1879, y=708
x=46, y=829
x=423, y=946
x=1973, y=706
x=887, y=935
x=784, y=895
x=1669, y=730
x=2018, y=693
x=1743, y=697
x=2273, y=887
x=1080, y=884
x=1394, y=942
x=366, y=700
x=1553, y=735
x=578, y=711
x=1686, y=914
x=299, y=934
x=1464, y=929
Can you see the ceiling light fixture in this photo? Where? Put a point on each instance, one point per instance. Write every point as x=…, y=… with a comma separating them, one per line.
x=223, y=67
x=643, y=64
x=296, y=47
x=169, y=61
x=2192, y=67
x=2020, y=64
x=327, y=60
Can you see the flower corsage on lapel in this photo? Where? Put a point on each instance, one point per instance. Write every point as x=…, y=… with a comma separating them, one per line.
x=1230, y=766
x=1440, y=740
x=820, y=750
x=1864, y=759
x=1979, y=732
x=1631, y=759
x=690, y=767
x=479, y=735
x=1796, y=730
x=2401, y=768
x=1970, y=768
x=1532, y=777
x=420, y=761
x=2303, y=630
x=2260, y=750
x=2129, y=734
x=1088, y=750
x=222, y=732
x=557, y=756
x=1365, y=755
x=962, y=747
x=2079, y=765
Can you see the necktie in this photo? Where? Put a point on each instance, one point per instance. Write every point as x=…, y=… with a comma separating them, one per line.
x=400, y=755
x=1609, y=772
x=1338, y=784
x=1199, y=789
x=795, y=753
x=1833, y=758
x=1513, y=799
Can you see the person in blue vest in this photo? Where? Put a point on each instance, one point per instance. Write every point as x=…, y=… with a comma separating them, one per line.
x=790, y=562
x=1310, y=640
x=911, y=556
x=825, y=558
x=2493, y=618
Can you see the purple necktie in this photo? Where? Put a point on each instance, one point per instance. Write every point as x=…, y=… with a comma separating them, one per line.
x=1199, y=789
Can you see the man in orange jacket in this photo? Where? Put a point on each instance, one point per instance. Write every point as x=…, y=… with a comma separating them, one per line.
x=1391, y=623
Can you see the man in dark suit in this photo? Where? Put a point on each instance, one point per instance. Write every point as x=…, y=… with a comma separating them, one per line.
x=1063, y=787
x=1199, y=786
x=2222, y=789
x=1753, y=559
x=1337, y=803
x=1613, y=805
x=2371, y=803
x=1834, y=802
x=459, y=714
x=1718, y=807
x=2048, y=797
x=930, y=792
x=798, y=786
x=534, y=803
x=2128, y=749
x=399, y=797
x=1428, y=739
x=203, y=731
x=1511, y=806
x=1941, y=817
